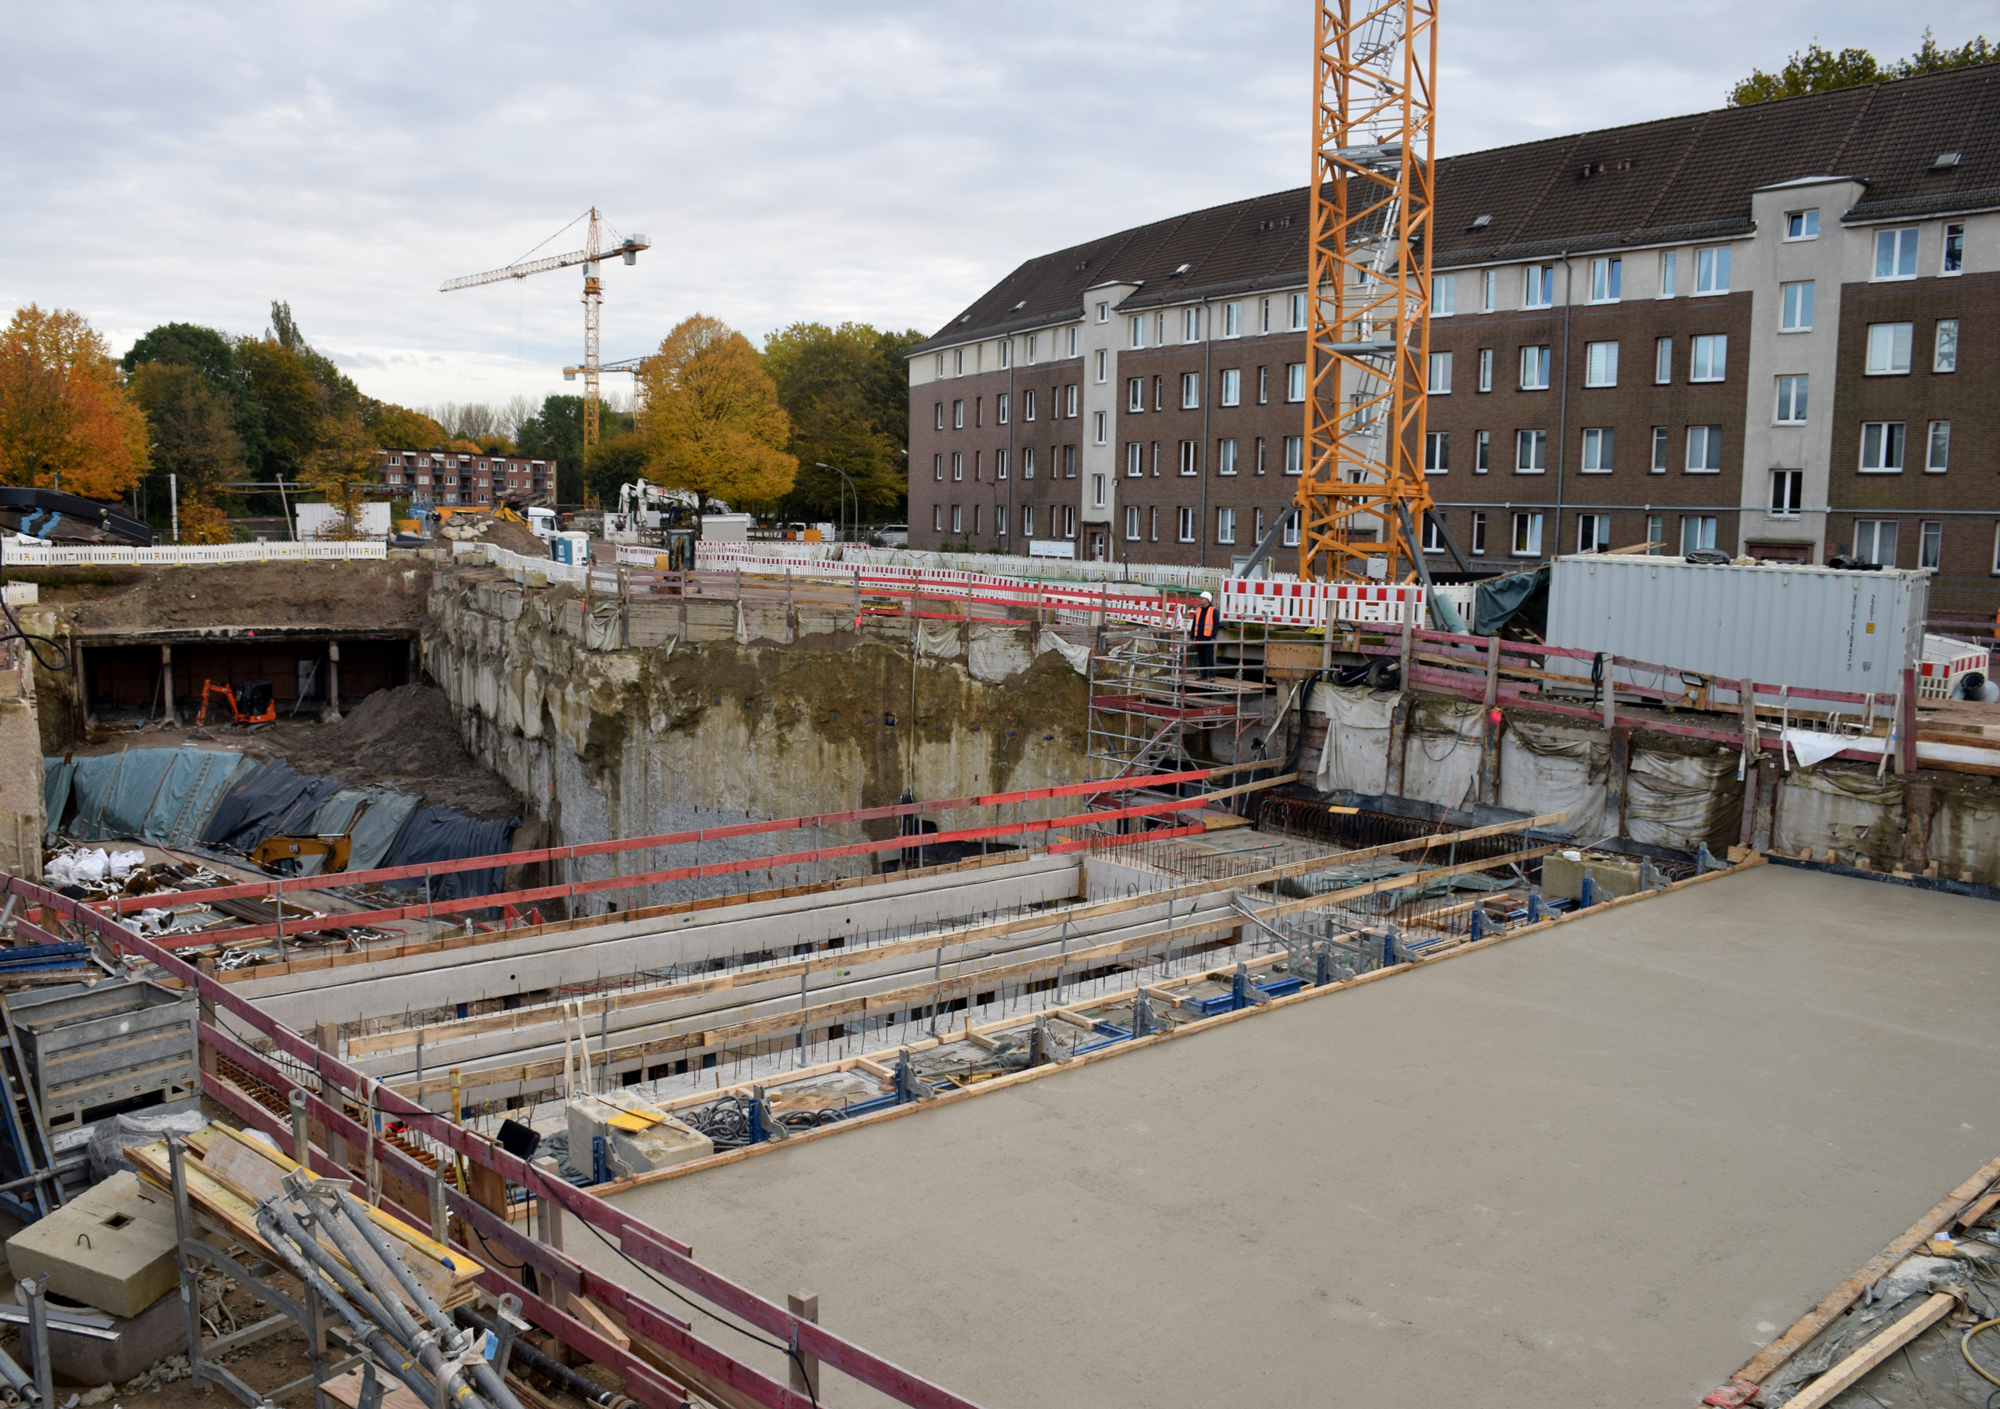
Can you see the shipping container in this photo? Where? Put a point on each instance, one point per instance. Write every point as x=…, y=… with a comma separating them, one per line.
x=1778, y=623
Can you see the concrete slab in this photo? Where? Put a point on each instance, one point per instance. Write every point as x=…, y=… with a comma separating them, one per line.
x=1599, y=1165
x=111, y=1247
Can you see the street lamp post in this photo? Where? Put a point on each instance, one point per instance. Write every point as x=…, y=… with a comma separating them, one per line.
x=821, y=464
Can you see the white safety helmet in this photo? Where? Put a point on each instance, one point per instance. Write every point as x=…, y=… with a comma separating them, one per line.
x=1208, y=596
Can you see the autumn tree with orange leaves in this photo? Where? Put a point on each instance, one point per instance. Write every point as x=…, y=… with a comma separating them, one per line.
x=66, y=420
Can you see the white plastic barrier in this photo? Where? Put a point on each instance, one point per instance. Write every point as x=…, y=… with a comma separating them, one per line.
x=1313, y=604
x=518, y=565
x=1945, y=660
x=60, y=555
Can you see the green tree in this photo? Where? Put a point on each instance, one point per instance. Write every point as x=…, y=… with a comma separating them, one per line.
x=214, y=356
x=713, y=422
x=621, y=460
x=556, y=433
x=1818, y=70
x=846, y=390
x=191, y=426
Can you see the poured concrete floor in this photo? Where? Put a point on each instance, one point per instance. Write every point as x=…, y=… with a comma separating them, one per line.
x=1602, y=1164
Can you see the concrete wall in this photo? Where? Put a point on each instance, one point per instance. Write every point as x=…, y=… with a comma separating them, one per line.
x=639, y=741
x=21, y=819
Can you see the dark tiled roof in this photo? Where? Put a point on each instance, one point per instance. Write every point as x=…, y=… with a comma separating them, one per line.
x=1678, y=178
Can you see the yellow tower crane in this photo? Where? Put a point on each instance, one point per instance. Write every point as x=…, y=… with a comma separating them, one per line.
x=590, y=257
x=1363, y=494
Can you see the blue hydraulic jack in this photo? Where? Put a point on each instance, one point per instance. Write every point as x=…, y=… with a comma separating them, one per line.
x=1588, y=896
x=1537, y=911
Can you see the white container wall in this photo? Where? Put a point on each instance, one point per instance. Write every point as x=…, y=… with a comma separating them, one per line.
x=1806, y=627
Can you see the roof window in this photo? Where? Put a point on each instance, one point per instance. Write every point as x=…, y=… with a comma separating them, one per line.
x=1947, y=160
x=1480, y=222
x=1183, y=269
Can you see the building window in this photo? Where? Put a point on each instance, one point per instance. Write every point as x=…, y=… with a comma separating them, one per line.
x=1787, y=491
x=1945, y=356
x=1000, y=464
x=1027, y=462
x=1027, y=520
x=1139, y=330
x=958, y=362
x=1101, y=425
x=1482, y=451
x=1190, y=457
x=1538, y=286
x=1098, y=491
x=1191, y=325
x=1298, y=313
x=1710, y=362
x=1697, y=533
x=1295, y=454
x=1103, y=365
x=1875, y=541
x=1527, y=536
x=1440, y=380
x=1260, y=455
x=940, y=411
x=1802, y=225
x=1186, y=532
x=1104, y=313
x=975, y=520
x=1896, y=254
x=1531, y=452
x=1479, y=535
x=1263, y=315
x=937, y=468
x=1135, y=466
x=1954, y=250
x=1225, y=457
x=1937, y=459
x=1033, y=344
x=1663, y=361
x=1069, y=521
x=1486, y=369
x=1792, y=400
x=1290, y=538
x=1593, y=533
x=1796, y=307
x=1656, y=542
x=1930, y=545
x=937, y=510
x=1135, y=394
x=1444, y=295
x=1433, y=532
x=1605, y=277
x=1000, y=520
x=1072, y=341
x=1069, y=461
x=1600, y=364
x=1535, y=368
x=1132, y=523
x=1489, y=289
x=1670, y=268
x=1263, y=385
x=1156, y=459
x=1190, y=390
x=1232, y=320
x=1597, y=445
x=1000, y=407
x=1711, y=270
x=1069, y=400
x=1437, y=452
x=1704, y=455
x=958, y=415
x=1888, y=349
x=1295, y=381
x=1225, y=525
x=1659, y=464
x=1232, y=386
x=1882, y=447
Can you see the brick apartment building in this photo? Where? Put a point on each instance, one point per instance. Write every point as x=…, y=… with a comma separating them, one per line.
x=1756, y=329
x=460, y=478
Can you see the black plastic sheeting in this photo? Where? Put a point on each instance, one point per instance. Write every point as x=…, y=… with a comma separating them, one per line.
x=445, y=834
x=1522, y=595
x=275, y=799
x=272, y=800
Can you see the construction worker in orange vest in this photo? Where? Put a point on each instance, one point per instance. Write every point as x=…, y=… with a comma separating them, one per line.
x=1201, y=631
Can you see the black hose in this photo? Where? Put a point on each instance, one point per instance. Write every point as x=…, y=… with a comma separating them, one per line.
x=587, y=1389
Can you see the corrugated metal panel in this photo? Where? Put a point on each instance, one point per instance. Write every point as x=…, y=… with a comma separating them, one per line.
x=1807, y=627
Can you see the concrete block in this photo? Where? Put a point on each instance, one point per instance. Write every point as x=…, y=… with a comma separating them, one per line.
x=662, y=1142
x=143, y=1341
x=1610, y=876
x=111, y=1248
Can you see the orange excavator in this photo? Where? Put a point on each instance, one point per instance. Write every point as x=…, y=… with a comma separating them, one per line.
x=257, y=704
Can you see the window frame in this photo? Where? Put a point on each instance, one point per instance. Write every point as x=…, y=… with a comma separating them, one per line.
x=1944, y=347
x=1295, y=455
x=1807, y=221
x=1444, y=295
x=1531, y=444
x=1232, y=320
x=1712, y=348
x=1600, y=364
x=1663, y=361
x=1606, y=279
x=1190, y=453
x=1476, y=547
x=1485, y=369
x=1100, y=427
x=1230, y=391
x=1670, y=274
x=1482, y=452
x=1905, y=242
x=1600, y=532
x=1437, y=452
x=1875, y=529
x=1530, y=520
x=1930, y=545
x=1538, y=279
x=1705, y=528
x=1225, y=455
x=1002, y=405
x=1544, y=361
x=1190, y=391
x=1434, y=384
x=1791, y=306
x=1599, y=445
x=1890, y=436
x=1951, y=257
x=1892, y=338
x=1791, y=409
x=1134, y=522
x=1185, y=524
x=1711, y=450
x=1295, y=383
x=1711, y=270
x=1792, y=485
x=1225, y=525
x=1937, y=447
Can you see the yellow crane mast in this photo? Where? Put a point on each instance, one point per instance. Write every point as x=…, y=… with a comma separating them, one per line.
x=1363, y=498
x=591, y=256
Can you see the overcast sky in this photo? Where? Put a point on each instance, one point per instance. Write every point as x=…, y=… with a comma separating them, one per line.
x=881, y=162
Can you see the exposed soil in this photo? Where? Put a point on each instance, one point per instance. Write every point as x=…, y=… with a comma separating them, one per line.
x=406, y=735
x=515, y=538
x=332, y=594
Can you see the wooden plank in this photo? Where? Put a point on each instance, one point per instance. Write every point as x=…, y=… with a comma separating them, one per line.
x=346, y=1389
x=1843, y=1296
x=1842, y=1377
x=595, y=1317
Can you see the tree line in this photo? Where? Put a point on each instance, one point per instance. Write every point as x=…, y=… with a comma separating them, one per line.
x=232, y=418
x=1814, y=69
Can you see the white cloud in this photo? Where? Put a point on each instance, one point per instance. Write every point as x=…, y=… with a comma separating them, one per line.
x=876, y=161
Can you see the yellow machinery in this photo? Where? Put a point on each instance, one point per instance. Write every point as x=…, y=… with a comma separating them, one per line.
x=285, y=853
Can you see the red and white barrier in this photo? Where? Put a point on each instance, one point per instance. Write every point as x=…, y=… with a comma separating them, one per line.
x=1314, y=604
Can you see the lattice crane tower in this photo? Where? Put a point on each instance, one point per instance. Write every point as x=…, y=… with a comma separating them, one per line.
x=1368, y=292
x=591, y=258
